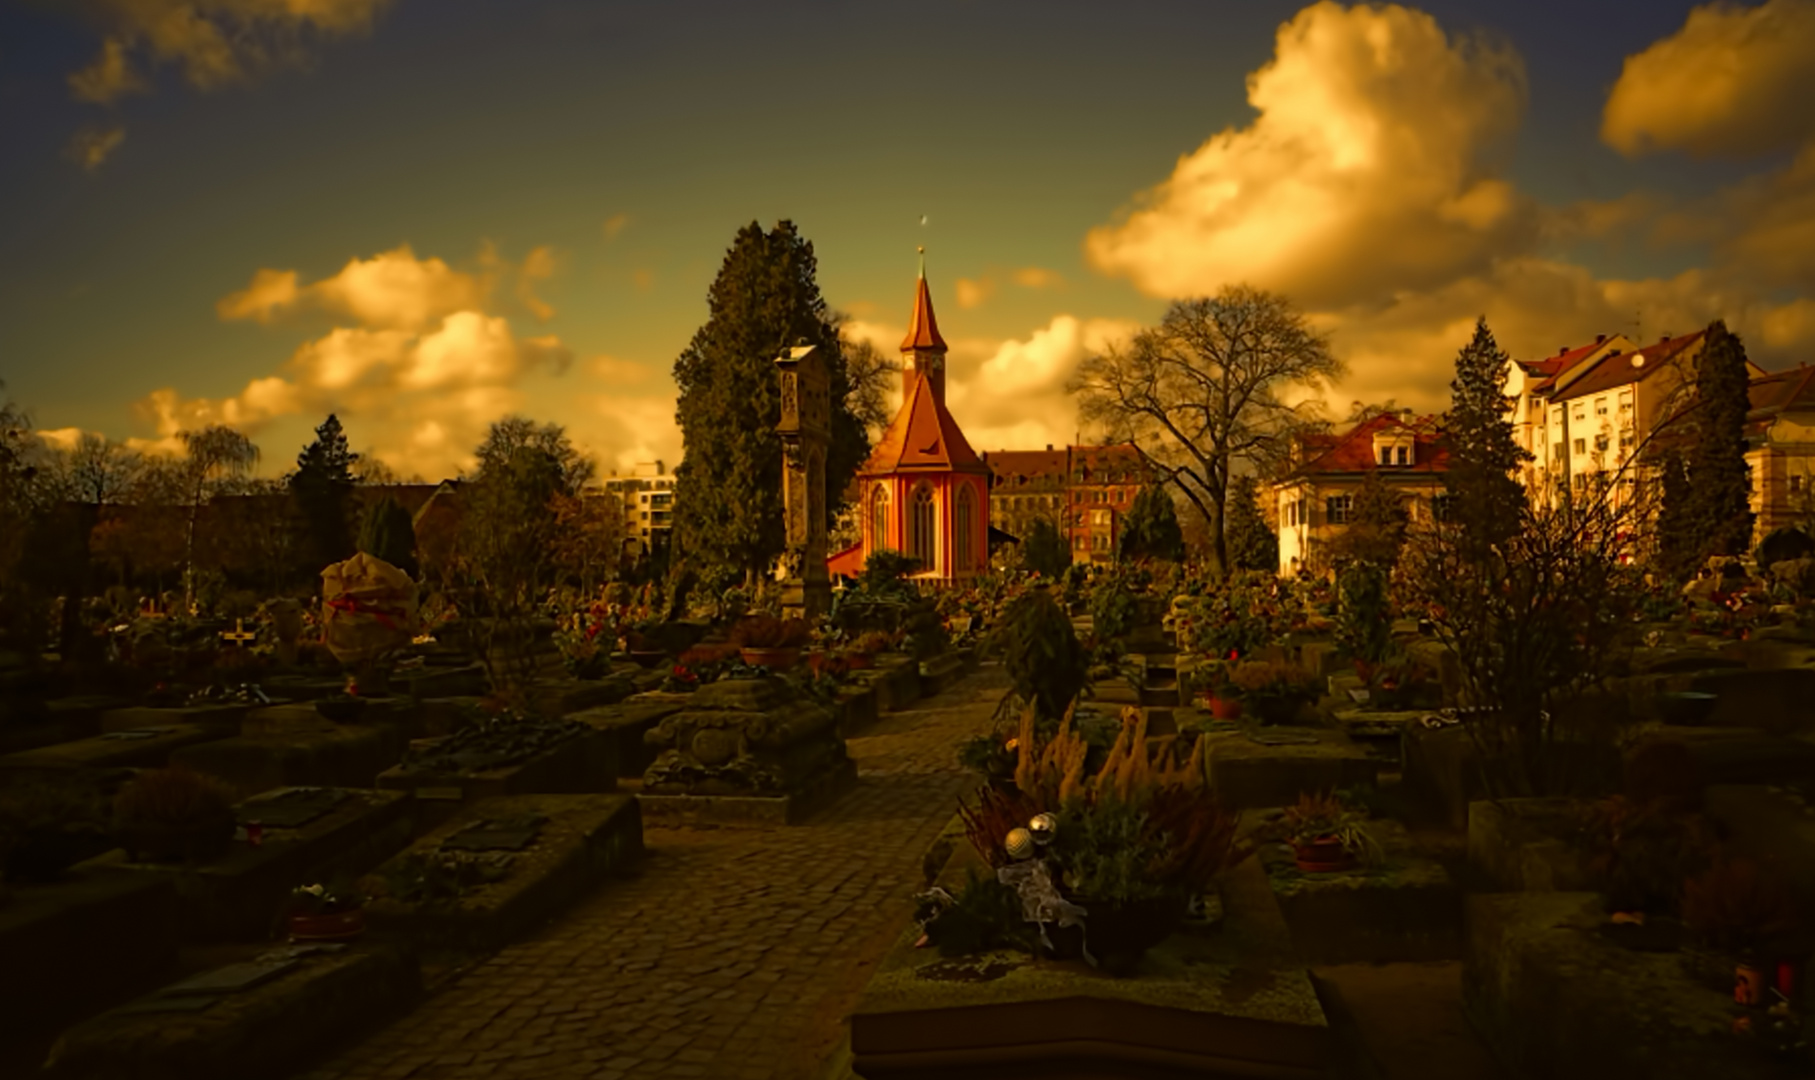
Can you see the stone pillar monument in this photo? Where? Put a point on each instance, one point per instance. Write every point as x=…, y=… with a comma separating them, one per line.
x=805, y=429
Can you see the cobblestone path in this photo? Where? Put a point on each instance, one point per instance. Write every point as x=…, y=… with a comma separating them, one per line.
x=731, y=954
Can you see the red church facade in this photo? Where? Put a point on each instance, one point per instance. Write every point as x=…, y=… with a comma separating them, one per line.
x=924, y=492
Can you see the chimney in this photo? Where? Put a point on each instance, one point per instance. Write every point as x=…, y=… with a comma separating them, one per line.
x=1561, y=349
x=1598, y=338
x=1049, y=448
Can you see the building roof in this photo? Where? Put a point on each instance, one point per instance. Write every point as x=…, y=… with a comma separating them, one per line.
x=923, y=437
x=1549, y=369
x=1778, y=393
x=1353, y=451
x=846, y=563
x=1029, y=466
x=923, y=330
x=1617, y=369
x=1117, y=463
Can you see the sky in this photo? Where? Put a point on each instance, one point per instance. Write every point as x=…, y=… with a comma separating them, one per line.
x=425, y=214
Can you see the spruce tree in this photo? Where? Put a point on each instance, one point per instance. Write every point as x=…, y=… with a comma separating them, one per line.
x=1044, y=550
x=1151, y=529
x=728, y=497
x=1489, y=502
x=388, y=533
x=1678, y=547
x=1720, y=510
x=322, y=486
x=1252, y=543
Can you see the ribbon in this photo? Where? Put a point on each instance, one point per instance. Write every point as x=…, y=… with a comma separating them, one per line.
x=352, y=605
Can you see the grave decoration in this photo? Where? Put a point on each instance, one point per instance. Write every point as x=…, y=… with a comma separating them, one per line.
x=1275, y=692
x=443, y=875
x=173, y=814
x=325, y=913
x=771, y=642
x=1742, y=922
x=493, y=742
x=1326, y=834
x=745, y=737
x=368, y=611
x=1105, y=865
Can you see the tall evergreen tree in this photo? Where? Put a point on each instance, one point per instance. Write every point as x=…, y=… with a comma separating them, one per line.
x=388, y=533
x=1044, y=550
x=1253, y=545
x=1678, y=547
x=322, y=486
x=1151, y=529
x=1489, y=503
x=1720, y=504
x=728, y=497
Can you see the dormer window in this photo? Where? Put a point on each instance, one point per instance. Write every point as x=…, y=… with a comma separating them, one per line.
x=1403, y=455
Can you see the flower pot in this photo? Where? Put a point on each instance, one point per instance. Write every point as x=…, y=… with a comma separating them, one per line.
x=329, y=926
x=773, y=659
x=162, y=841
x=1322, y=856
x=1224, y=708
x=648, y=658
x=1118, y=934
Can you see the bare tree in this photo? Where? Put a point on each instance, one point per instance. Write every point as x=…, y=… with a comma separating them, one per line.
x=368, y=471
x=871, y=374
x=98, y=471
x=215, y=453
x=1204, y=391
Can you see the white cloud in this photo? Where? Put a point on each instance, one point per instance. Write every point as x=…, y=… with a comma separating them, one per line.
x=972, y=294
x=1370, y=169
x=1011, y=394
x=1733, y=80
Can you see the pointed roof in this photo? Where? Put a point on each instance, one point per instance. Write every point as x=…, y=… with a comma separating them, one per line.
x=923, y=332
x=923, y=437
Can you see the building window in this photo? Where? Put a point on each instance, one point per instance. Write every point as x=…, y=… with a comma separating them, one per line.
x=1556, y=452
x=1581, y=446
x=1795, y=485
x=920, y=528
x=1077, y=543
x=1626, y=405
x=1600, y=442
x=1440, y=507
x=961, y=529
x=879, y=518
x=1600, y=406
x=1386, y=455
x=1337, y=507
x=1405, y=455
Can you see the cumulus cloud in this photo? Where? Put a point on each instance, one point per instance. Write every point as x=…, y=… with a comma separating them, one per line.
x=214, y=42
x=973, y=293
x=425, y=365
x=1733, y=80
x=91, y=147
x=1011, y=394
x=1035, y=277
x=1370, y=169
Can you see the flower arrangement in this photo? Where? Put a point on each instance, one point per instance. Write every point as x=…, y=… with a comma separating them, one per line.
x=1326, y=833
x=311, y=900
x=1276, y=691
x=769, y=632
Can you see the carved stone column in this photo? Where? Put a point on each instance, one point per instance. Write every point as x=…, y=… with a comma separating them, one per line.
x=805, y=429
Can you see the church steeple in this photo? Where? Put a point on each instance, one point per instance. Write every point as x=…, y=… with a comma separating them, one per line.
x=924, y=347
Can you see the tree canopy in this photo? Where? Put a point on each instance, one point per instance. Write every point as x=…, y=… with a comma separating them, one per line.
x=1719, y=509
x=1151, y=530
x=1044, y=550
x=1377, y=523
x=1489, y=502
x=1208, y=389
x=1252, y=543
x=728, y=497
x=322, y=486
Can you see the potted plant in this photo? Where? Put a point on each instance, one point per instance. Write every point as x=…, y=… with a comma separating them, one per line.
x=1398, y=682
x=1327, y=835
x=1741, y=916
x=1221, y=696
x=1275, y=691
x=173, y=814
x=321, y=913
x=771, y=642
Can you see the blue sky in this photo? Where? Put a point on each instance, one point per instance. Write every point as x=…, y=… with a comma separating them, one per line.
x=496, y=206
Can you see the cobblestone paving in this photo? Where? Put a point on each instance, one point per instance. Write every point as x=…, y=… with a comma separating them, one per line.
x=732, y=953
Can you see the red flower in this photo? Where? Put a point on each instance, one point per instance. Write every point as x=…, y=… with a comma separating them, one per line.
x=1234, y=655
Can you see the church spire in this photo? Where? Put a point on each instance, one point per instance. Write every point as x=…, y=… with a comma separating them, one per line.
x=923, y=331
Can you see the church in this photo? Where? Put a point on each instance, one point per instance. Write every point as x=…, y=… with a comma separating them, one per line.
x=923, y=492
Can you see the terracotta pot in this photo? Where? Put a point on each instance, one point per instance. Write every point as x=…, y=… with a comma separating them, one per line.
x=1321, y=856
x=773, y=659
x=1224, y=708
x=336, y=926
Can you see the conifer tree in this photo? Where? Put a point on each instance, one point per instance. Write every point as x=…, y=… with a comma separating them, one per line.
x=1489, y=503
x=1044, y=550
x=1720, y=497
x=388, y=533
x=1253, y=545
x=322, y=486
x=1678, y=548
x=1377, y=524
x=1151, y=529
x=728, y=498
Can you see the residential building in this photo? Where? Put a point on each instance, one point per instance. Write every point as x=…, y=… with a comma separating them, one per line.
x=1026, y=486
x=1315, y=498
x=647, y=496
x=1780, y=437
x=925, y=492
x=1085, y=491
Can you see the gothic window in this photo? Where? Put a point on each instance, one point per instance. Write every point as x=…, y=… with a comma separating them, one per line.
x=879, y=517
x=961, y=530
x=920, y=528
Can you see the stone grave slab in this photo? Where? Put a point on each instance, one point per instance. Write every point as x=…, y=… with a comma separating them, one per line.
x=1527, y=845
x=584, y=763
x=1406, y=908
x=1733, y=755
x=220, y=716
x=337, y=833
x=1553, y=997
x=858, y=705
x=1776, y=700
x=144, y=748
x=465, y=680
x=1378, y=728
x=625, y=724
x=330, y=755
x=896, y=679
x=1773, y=824
x=81, y=944
x=940, y=672
x=269, y=1027
x=1442, y=775
x=580, y=841
x=305, y=687
x=564, y=697
x=1272, y=766
x=1231, y=1001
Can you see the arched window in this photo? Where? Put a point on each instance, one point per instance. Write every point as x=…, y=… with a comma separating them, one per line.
x=920, y=528
x=879, y=517
x=963, y=517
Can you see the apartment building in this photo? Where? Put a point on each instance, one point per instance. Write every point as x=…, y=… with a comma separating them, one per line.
x=647, y=498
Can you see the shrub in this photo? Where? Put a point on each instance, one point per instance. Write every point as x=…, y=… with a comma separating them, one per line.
x=1041, y=651
x=769, y=632
x=172, y=797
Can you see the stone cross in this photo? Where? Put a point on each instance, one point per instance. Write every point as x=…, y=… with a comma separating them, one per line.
x=239, y=635
x=805, y=429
